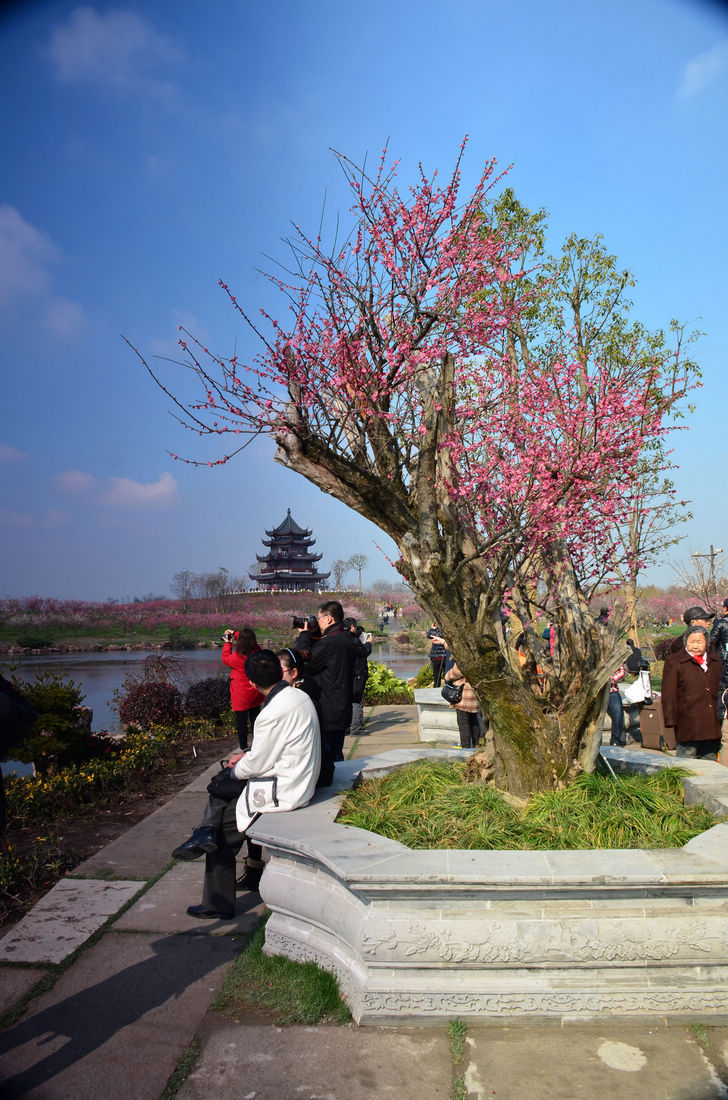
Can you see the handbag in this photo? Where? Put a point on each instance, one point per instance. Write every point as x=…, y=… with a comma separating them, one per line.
x=638, y=692
x=452, y=693
x=224, y=785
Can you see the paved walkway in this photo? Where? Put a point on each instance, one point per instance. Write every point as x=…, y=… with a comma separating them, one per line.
x=119, y=980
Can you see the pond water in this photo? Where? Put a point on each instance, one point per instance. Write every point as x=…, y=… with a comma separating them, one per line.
x=99, y=675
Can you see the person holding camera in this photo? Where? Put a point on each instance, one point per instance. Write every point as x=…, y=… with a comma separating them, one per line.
x=332, y=668
x=361, y=675
x=308, y=634
x=244, y=698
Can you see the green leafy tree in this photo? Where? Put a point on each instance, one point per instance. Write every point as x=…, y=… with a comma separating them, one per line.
x=580, y=300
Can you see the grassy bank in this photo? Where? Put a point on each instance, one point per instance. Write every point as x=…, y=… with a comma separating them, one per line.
x=37, y=622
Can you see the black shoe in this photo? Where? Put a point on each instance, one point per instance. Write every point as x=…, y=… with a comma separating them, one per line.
x=250, y=878
x=202, y=840
x=204, y=913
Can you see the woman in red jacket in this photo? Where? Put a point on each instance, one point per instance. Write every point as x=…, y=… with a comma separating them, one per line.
x=244, y=699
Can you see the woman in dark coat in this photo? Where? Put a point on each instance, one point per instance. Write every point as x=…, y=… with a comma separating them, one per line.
x=690, y=683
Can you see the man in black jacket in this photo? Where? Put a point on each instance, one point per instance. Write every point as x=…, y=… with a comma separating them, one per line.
x=694, y=616
x=719, y=633
x=332, y=668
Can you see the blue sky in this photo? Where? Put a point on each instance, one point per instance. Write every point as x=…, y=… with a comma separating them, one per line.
x=149, y=150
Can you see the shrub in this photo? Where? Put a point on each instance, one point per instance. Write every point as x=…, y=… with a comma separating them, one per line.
x=384, y=687
x=151, y=702
x=127, y=766
x=33, y=641
x=425, y=677
x=207, y=698
x=58, y=736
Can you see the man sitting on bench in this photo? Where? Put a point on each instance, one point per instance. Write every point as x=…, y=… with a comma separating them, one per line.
x=280, y=773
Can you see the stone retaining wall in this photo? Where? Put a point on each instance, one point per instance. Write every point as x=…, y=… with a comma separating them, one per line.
x=419, y=936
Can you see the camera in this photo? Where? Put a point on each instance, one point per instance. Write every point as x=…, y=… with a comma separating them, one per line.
x=304, y=622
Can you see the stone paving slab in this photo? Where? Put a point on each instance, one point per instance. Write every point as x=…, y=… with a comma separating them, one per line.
x=145, y=848
x=322, y=1063
x=163, y=908
x=115, y=1023
x=64, y=919
x=561, y=1064
x=15, y=983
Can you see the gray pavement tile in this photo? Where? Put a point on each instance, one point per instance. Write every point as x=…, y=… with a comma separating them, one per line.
x=145, y=848
x=531, y=1061
x=15, y=983
x=323, y=1063
x=163, y=908
x=115, y=1024
x=64, y=919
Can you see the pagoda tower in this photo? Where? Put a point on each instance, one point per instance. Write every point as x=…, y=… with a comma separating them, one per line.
x=289, y=565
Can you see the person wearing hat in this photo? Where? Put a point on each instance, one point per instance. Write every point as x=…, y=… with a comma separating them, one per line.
x=694, y=616
x=719, y=633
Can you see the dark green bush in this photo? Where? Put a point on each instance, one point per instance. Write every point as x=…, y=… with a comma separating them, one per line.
x=33, y=641
x=59, y=736
x=424, y=677
x=383, y=688
x=207, y=698
x=151, y=703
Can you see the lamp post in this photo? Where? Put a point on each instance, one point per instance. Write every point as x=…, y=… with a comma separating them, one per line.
x=712, y=555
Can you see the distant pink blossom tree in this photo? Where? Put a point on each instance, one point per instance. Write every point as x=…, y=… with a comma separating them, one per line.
x=416, y=380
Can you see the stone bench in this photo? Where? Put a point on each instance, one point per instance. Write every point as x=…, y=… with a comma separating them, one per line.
x=503, y=936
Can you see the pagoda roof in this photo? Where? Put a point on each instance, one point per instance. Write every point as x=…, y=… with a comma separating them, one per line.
x=289, y=527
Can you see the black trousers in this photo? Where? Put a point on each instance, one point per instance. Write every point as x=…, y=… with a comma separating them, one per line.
x=243, y=719
x=438, y=664
x=468, y=728
x=218, y=890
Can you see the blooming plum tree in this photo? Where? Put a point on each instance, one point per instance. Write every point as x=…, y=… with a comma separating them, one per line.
x=426, y=378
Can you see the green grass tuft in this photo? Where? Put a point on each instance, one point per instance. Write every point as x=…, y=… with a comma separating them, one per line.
x=295, y=993
x=184, y=1067
x=432, y=804
x=457, y=1034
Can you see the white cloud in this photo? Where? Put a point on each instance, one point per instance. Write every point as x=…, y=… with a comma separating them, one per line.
x=11, y=454
x=116, y=47
x=704, y=70
x=75, y=481
x=120, y=492
x=64, y=319
x=25, y=254
x=9, y=518
x=54, y=519
x=126, y=493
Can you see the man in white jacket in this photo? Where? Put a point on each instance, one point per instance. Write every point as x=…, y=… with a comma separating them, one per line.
x=280, y=773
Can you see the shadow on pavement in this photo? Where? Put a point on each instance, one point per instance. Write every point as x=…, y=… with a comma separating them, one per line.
x=80, y=1023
